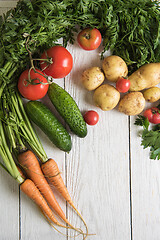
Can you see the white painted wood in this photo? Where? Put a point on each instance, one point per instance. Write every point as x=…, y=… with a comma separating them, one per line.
x=97, y=171
x=9, y=207
x=145, y=190
x=98, y=165
x=6, y=5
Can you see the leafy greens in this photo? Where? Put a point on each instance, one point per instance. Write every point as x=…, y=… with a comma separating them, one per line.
x=131, y=29
x=150, y=138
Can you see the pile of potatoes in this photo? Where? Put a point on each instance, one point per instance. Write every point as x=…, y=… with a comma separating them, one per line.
x=107, y=97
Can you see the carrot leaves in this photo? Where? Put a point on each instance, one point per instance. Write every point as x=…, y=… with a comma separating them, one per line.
x=129, y=28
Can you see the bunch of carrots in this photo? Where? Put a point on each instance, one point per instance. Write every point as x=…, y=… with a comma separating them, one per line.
x=19, y=149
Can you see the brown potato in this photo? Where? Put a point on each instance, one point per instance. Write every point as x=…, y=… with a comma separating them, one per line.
x=114, y=67
x=132, y=103
x=152, y=94
x=92, y=78
x=145, y=77
x=106, y=97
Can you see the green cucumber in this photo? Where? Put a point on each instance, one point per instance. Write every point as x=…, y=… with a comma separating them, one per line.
x=49, y=124
x=68, y=109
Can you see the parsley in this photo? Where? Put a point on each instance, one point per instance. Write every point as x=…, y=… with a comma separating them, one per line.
x=150, y=138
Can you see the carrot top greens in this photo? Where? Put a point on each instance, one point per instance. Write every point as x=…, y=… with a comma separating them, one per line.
x=131, y=29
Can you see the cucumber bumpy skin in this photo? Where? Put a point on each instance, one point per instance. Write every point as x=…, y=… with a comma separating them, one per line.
x=68, y=109
x=49, y=124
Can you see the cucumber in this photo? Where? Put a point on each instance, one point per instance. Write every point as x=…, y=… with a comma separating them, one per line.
x=49, y=124
x=68, y=109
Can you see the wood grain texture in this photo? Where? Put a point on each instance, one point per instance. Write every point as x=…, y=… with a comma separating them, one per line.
x=98, y=166
x=9, y=207
x=145, y=190
x=112, y=182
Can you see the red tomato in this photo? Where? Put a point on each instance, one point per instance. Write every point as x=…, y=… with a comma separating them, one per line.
x=89, y=39
x=60, y=62
x=148, y=114
x=153, y=115
x=34, y=90
x=91, y=117
x=156, y=118
x=123, y=85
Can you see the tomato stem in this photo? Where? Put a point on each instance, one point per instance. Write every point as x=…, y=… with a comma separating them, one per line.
x=87, y=36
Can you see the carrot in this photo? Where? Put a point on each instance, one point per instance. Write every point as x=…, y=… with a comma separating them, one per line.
x=30, y=189
x=21, y=172
x=51, y=172
x=32, y=168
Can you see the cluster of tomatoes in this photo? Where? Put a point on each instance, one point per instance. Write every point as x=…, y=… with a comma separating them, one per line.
x=57, y=62
x=153, y=115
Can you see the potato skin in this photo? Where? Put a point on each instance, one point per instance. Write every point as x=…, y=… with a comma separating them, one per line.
x=114, y=67
x=152, y=94
x=106, y=97
x=92, y=78
x=132, y=103
x=145, y=77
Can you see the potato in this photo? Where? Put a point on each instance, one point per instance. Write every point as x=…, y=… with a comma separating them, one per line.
x=152, y=94
x=132, y=103
x=114, y=67
x=106, y=97
x=145, y=77
x=92, y=78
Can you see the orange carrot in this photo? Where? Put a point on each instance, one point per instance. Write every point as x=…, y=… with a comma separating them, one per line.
x=30, y=189
x=21, y=172
x=51, y=172
x=32, y=167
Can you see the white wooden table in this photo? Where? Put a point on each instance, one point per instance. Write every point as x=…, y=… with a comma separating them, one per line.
x=110, y=177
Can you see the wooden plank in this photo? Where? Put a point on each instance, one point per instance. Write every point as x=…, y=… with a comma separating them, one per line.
x=145, y=190
x=9, y=207
x=98, y=165
x=8, y=4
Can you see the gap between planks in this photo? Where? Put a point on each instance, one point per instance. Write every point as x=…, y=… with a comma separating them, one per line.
x=130, y=177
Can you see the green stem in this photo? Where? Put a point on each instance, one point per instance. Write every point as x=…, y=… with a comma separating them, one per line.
x=2, y=88
x=34, y=138
x=8, y=129
x=12, y=72
x=7, y=157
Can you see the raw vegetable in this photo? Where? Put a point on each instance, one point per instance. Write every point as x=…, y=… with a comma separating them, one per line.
x=150, y=137
x=92, y=78
x=32, y=168
x=30, y=189
x=56, y=62
x=114, y=67
x=89, y=39
x=68, y=109
x=145, y=77
x=49, y=124
x=152, y=114
x=17, y=136
x=106, y=97
x=133, y=35
x=13, y=143
x=123, y=85
x=152, y=94
x=132, y=103
x=52, y=173
x=91, y=117
x=32, y=84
